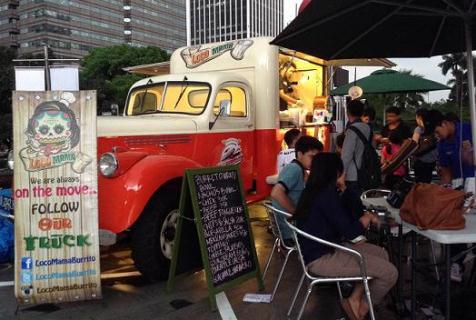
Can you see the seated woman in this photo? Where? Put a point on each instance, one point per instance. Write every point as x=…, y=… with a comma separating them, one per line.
x=321, y=213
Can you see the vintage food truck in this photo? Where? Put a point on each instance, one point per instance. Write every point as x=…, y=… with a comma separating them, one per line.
x=219, y=105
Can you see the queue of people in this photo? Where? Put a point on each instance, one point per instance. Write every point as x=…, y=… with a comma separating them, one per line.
x=322, y=191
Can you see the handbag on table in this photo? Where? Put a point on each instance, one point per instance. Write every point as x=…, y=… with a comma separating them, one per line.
x=430, y=206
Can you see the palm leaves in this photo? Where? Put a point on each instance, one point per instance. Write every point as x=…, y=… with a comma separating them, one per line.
x=455, y=63
x=411, y=99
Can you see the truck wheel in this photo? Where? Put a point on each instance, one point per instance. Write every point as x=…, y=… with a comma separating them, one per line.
x=153, y=235
x=167, y=233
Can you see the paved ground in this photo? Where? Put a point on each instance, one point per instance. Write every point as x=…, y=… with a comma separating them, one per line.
x=133, y=298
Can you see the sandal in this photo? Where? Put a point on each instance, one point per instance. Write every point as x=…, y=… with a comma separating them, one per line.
x=348, y=310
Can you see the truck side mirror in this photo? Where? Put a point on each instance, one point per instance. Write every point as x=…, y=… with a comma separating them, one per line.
x=225, y=111
x=114, y=109
x=225, y=108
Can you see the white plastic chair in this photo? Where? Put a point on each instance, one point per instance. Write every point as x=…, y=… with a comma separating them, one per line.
x=375, y=193
x=316, y=279
x=278, y=243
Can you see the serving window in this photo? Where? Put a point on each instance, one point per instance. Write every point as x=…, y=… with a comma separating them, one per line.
x=301, y=89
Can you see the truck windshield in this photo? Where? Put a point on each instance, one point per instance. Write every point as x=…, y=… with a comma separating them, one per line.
x=169, y=97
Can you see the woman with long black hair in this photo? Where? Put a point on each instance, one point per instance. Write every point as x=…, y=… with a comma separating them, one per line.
x=427, y=153
x=322, y=213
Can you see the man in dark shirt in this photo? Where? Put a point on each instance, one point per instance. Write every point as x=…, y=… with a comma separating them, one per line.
x=394, y=123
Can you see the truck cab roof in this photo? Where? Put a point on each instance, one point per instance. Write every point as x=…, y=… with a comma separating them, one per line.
x=214, y=79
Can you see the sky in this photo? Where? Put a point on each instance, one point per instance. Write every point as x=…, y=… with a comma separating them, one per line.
x=427, y=67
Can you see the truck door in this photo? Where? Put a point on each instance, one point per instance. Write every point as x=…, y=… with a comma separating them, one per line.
x=233, y=130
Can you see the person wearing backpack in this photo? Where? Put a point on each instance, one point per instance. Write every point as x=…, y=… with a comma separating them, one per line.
x=361, y=163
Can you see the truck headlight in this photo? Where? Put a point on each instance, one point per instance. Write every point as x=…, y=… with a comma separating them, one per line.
x=10, y=159
x=108, y=164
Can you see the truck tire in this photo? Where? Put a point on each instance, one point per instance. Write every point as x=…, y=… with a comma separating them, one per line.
x=153, y=234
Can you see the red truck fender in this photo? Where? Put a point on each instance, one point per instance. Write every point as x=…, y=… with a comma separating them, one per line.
x=138, y=185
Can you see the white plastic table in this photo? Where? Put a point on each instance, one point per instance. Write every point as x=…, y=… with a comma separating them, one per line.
x=382, y=202
x=444, y=237
x=466, y=235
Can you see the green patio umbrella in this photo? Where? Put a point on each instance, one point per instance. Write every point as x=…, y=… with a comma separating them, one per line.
x=391, y=81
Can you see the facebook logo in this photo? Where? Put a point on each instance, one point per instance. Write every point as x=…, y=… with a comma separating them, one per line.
x=26, y=263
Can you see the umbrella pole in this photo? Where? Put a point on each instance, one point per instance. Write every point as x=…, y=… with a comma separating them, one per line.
x=471, y=92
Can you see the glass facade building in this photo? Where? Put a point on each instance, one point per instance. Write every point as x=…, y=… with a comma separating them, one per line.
x=222, y=20
x=9, y=25
x=71, y=28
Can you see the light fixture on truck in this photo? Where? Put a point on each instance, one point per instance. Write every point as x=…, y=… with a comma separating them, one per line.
x=108, y=164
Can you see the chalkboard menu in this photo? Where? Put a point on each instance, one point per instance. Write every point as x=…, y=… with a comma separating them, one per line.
x=225, y=227
x=224, y=233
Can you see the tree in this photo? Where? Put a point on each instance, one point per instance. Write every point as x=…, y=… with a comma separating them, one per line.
x=412, y=100
x=443, y=106
x=452, y=62
x=456, y=64
x=459, y=88
x=102, y=70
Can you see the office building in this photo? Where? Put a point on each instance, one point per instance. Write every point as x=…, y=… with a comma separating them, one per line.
x=222, y=20
x=9, y=27
x=73, y=27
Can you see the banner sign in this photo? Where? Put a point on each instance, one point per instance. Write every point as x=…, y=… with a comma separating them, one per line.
x=196, y=55
x=30, y=78
x=55, y=197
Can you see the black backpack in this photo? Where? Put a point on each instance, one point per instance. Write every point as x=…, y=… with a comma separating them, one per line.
x=369, y=174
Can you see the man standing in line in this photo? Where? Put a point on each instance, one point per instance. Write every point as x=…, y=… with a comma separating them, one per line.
x=455, y=157
x=353, y=148
x=394, y=123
